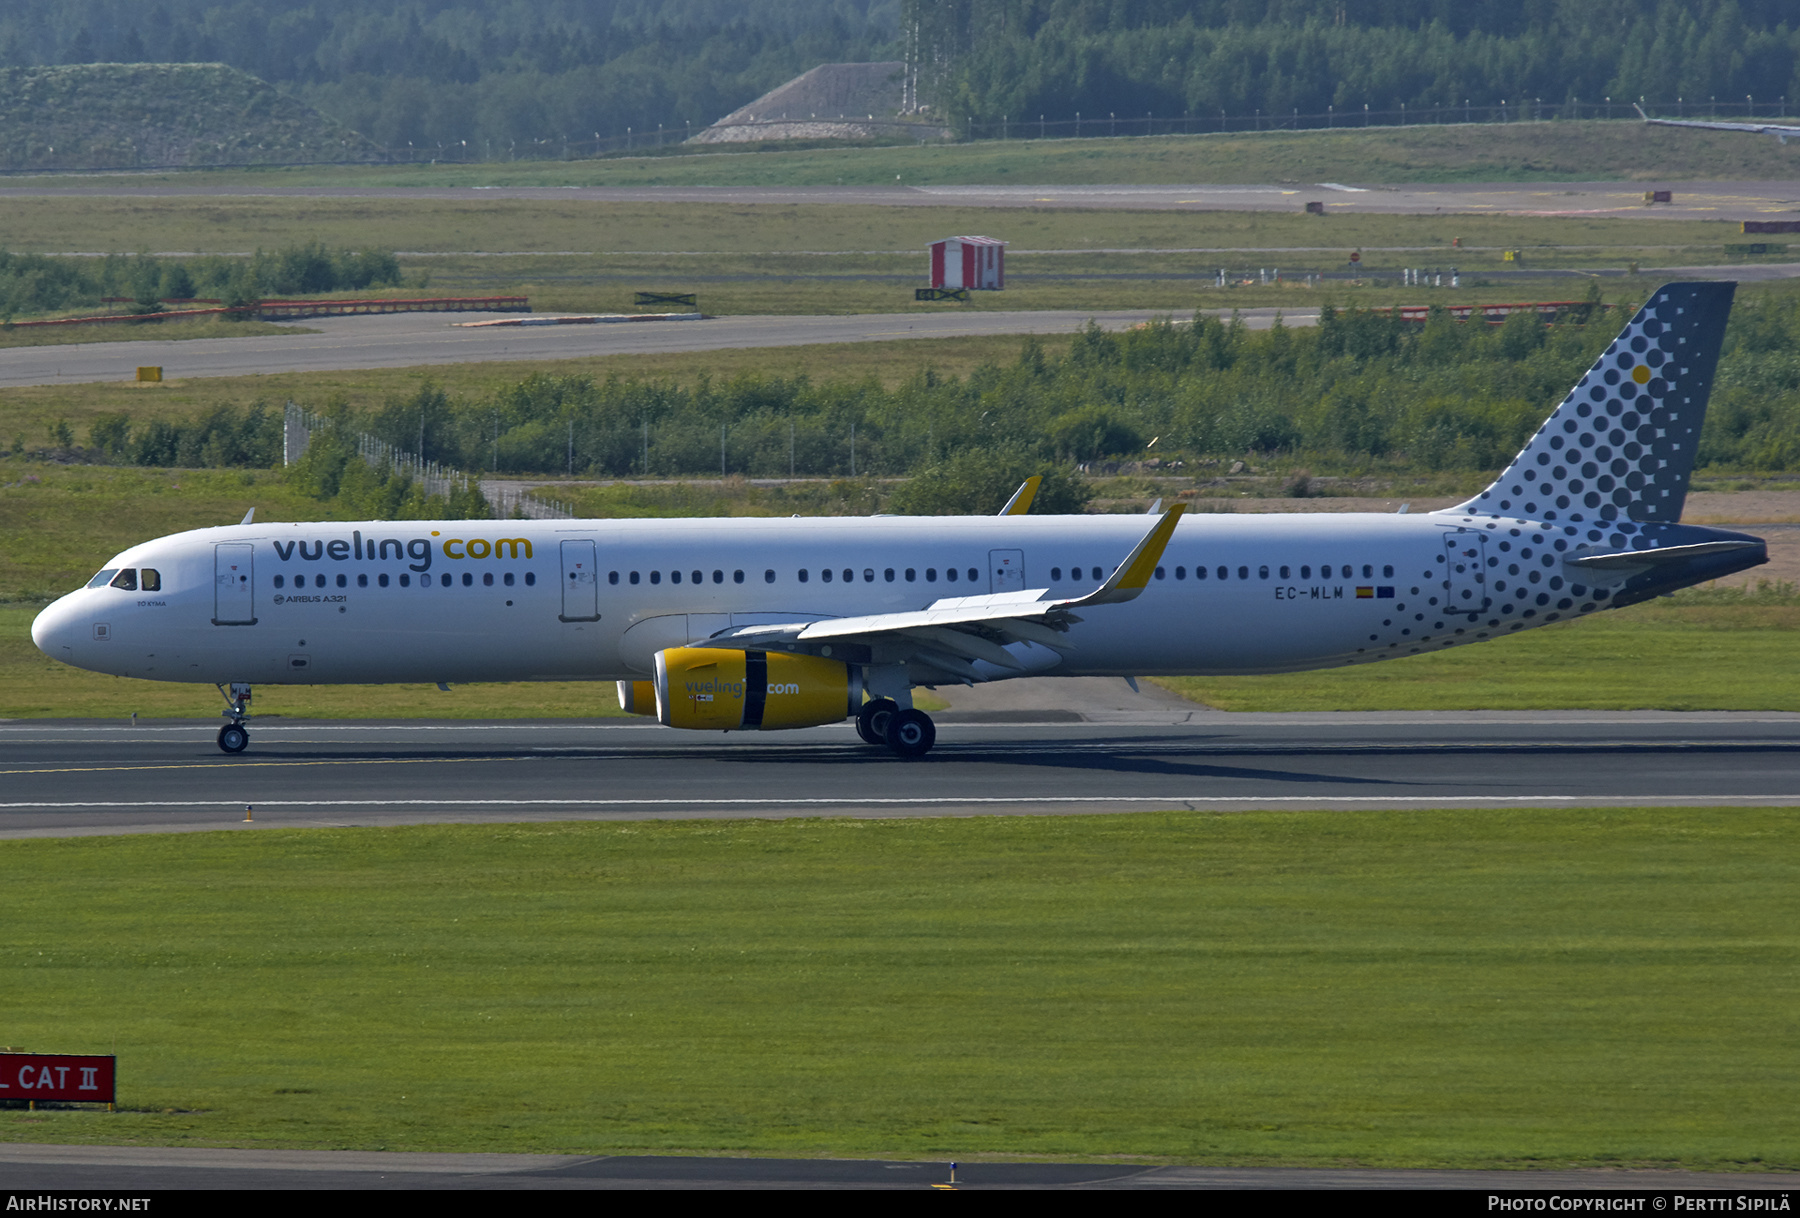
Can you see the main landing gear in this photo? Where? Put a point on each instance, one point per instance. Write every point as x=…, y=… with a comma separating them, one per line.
x=908, y=732
x=234, y=737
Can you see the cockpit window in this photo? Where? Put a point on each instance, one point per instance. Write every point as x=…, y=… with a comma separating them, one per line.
x=126, y=580
x=103, y=579
x=150, y=580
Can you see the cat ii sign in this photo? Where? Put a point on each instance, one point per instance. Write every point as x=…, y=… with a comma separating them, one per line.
x=56, y=1076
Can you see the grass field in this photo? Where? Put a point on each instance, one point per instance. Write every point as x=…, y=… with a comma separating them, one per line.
x=1695, y=651
x=543, y=227
x=575, y=255
x=797, y=258
x=1528, y=989
x=1582, y=151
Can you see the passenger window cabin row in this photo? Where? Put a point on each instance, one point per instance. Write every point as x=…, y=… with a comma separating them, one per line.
x=890, y=575
x=1345, y=571
x=826, y=575
x=445, y=580
x=148, y=579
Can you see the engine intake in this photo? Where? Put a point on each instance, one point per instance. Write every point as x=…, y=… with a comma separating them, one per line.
x=715, y=689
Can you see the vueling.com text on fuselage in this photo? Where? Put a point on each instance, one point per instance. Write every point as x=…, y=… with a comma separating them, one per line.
x=419, y=549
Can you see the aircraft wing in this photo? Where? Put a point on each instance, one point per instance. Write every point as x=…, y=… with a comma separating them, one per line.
x=1781, y=131
x=966, y=628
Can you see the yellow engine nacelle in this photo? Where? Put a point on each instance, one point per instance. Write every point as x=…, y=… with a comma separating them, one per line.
x=637, y=697
x=711, y=688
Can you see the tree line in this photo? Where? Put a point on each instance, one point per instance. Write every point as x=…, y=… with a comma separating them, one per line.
x=491, y=76
x=984, y=59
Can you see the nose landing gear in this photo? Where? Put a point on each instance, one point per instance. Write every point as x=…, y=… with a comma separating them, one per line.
x=234, y=737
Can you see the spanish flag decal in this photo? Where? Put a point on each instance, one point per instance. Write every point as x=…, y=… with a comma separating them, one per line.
x=1365, y=594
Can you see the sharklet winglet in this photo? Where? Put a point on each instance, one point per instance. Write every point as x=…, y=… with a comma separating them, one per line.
x=1020, y=503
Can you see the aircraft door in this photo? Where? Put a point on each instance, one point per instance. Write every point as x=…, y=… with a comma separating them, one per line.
x=1466, y=582
x=1006, y=570
x=234, y=589
x=580, y=582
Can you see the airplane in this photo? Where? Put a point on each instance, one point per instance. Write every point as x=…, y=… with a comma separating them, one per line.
x=762, y=624
x=1783, y=132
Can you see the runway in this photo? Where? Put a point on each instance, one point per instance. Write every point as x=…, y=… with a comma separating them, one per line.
x=1711, y=200
x=406, y=340
x=91, y=1169
x=86, y=778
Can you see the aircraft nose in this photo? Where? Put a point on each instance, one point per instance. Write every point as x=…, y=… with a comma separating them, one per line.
x=56, y=629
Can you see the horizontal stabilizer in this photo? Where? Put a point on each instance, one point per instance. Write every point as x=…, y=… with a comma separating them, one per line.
x=1627, y=559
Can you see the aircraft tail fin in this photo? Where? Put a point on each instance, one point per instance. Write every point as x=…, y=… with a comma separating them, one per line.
x=1621, y=445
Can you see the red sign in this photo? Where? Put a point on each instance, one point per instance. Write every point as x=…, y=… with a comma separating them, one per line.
x=56, y=1076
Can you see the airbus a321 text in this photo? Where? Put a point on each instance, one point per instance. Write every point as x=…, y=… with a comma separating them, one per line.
x=744, y=624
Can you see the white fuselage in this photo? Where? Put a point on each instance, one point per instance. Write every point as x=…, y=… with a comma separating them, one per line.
x=497, y=600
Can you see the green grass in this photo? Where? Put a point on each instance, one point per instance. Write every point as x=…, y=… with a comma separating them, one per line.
x=1583, y=151
x=786, y=258
x=1697, y=651
x=58, y=523
x=126, y=332
x=1528, y=989
x=869, y=231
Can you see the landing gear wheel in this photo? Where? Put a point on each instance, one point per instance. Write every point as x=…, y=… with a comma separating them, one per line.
x=911, y=733
x=872, y=720
x=233, y=738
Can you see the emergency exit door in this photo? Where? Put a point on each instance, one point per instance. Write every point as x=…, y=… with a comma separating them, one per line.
x=1465, y=582
x=234, y=589
x=1006, y=570
x=580, y=585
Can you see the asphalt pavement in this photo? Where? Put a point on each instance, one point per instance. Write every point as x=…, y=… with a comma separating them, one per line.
x=99, y=1169
x=67, y=778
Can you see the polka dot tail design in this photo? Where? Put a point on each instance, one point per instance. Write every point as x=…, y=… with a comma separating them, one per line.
x=1621, y=445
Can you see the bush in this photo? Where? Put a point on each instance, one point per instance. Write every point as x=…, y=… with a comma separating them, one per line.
x=980, y=483
x=32, y=284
